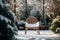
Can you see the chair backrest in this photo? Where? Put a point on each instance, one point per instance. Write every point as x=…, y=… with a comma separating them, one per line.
x=31, y=19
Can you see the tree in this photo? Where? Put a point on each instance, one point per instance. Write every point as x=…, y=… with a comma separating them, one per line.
x=55, y=26
x=7, y=25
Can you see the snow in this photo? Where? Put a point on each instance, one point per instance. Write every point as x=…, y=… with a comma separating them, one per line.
x=32, y=35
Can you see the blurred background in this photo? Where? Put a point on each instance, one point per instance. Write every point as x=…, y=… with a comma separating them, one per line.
x=38, y=8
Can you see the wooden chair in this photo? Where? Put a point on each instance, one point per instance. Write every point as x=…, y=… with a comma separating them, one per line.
x=32, y=23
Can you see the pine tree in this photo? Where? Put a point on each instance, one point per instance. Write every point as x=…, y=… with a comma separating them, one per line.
x=55, y=26
x=8, y=29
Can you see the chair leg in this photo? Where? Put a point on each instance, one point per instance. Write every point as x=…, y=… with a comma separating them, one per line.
x=37, y=29
x=26, y=30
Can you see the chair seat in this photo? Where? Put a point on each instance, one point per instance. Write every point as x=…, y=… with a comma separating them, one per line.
x=32, y=25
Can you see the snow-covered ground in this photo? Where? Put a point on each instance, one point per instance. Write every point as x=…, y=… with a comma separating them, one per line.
x=32, y=35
